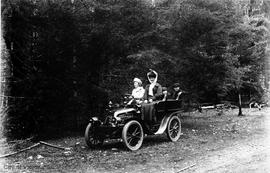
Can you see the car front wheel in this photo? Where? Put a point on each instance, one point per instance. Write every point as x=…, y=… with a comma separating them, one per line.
x=91, y=140
x=132, y=135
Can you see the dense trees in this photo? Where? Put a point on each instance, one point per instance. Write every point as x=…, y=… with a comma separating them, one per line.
x=221, y=54
x=68, y=57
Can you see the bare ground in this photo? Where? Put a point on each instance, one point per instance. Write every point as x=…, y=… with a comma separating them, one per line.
x=210, y=143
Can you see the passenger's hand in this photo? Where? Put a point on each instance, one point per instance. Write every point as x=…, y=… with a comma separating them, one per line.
x=139, y=101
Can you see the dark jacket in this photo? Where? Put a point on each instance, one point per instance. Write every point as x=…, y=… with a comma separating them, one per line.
x=172, y=94
x=157, y=91
x=175, y=94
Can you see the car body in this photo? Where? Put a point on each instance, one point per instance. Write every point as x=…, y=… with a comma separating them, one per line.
x=133, y=122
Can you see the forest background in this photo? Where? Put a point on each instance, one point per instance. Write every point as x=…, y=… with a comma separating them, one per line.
x=63, y=60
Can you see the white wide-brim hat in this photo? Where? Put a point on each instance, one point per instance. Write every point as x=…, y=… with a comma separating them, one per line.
x=137, y=80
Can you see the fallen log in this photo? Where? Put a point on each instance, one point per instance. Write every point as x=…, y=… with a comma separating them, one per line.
x=33, y=146
x=21, y=141
x=20, y=151
x=51, y=145
x=208, y=107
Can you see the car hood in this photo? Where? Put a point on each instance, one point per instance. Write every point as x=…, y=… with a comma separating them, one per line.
x=121, y=111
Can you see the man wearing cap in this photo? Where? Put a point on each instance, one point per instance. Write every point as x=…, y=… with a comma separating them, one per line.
x=176, y=91
x=153, y=91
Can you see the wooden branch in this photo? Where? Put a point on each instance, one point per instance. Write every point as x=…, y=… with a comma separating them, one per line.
x=17, y=152
x=33, y=146
x=186, y=168
x=21, y=141
x=51, y=145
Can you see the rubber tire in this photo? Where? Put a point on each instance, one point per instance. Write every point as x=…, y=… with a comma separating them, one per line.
x=173, y=139
x=87, y=137
x=124, y=135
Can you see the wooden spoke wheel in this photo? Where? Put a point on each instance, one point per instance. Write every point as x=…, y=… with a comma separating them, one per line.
x=132, y=135
x=174, y=128
x=91, y=140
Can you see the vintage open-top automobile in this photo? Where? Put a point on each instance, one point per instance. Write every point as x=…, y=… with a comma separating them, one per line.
x=133, y=121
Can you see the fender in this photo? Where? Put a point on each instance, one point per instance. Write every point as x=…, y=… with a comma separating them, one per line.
x=95, y=121
x=164, y=123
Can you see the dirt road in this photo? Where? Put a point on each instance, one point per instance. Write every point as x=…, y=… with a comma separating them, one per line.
x=210, y=143
x=249, y=155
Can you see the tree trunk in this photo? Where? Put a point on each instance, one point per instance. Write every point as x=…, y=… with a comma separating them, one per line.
x=240, y=104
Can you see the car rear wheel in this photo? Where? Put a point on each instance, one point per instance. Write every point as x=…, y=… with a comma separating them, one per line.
x=174, y=128
x=132, y=135
x=91, y=140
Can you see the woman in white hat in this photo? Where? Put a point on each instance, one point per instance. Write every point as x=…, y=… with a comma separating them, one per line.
x=138, y=91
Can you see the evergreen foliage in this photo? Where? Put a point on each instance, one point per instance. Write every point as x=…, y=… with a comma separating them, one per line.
x=68, y=58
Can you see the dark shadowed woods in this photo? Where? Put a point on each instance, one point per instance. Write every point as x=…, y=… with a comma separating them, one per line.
x=67, y=59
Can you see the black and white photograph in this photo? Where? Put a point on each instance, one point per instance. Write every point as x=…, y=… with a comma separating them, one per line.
x=135, y=86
